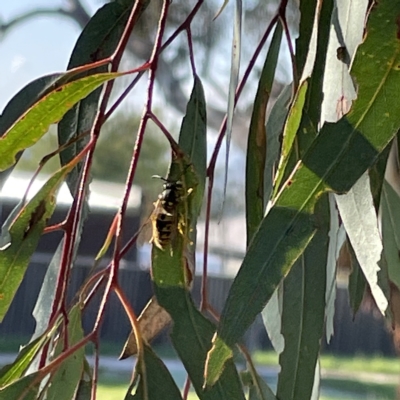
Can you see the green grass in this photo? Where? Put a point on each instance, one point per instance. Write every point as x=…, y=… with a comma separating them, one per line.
x=358, y=363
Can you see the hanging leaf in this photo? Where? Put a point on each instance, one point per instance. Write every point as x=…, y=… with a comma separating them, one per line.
x=303, y=315
x=34, y=123
x=360, y=220
x=335, y=161
x=257, y=140
x=98, y=40
x=25, y=233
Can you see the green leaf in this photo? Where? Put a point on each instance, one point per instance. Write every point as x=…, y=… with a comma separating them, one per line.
x=14, y=371
x=303, y=315
x=26, y=388
x=357, y=281
x=97, y=41
x=315, y=94
x=289, y=134
x=65, y=380
x=377, y=176
x=34, y=123
x=307, y=16
x=272, y=318
x=192, y=332
x=259, y=390
x=336, y=234
x=257, y=140
x=391, y=231
x=25, y=233
x=335, y=161
x=191, y=336
x=19, y=104
x=274, y=130
x=157, y=379
x=193, y=138
x=233, y=82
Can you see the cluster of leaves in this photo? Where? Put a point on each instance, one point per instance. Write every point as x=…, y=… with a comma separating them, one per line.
x=293, y=232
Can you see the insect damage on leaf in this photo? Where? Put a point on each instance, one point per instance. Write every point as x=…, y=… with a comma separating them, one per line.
x=36, y=216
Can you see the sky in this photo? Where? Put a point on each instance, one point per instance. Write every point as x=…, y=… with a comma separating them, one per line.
x=34, y=48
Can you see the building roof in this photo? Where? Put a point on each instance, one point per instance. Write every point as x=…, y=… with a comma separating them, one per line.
x=103, y=195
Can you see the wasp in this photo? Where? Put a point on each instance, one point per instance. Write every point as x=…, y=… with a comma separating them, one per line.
x=165, y=215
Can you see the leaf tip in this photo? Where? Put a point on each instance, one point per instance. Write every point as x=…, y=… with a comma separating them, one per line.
x=215, y=361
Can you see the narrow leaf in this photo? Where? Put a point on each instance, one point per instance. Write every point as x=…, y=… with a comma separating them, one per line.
x=357, y=281
x=274, y=131
x=360, y=220
x=21, y=103
x=13, y=372
x=157, y=379
x=259, y=390
x=289, y=134
x=257, y=140
x=65, y=380
x=272, y=318
x=335, y=161
x=97, y=41
x=303, y=315
x=346, y=34
x=34, y=123
x=334, y=245
x=26, y=388
x=193, y=137
x=391, y=231
x=25, y=233
x=308, y=10
x=233, y=82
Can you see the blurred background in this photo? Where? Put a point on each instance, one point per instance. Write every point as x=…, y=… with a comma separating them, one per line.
x=37, y=39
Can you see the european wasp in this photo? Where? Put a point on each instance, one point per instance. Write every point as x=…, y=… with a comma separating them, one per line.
x=165, y=215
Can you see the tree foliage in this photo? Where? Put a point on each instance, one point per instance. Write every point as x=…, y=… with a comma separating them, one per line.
x=322, y=152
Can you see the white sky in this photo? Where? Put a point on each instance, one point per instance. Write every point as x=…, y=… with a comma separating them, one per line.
x=34, y=48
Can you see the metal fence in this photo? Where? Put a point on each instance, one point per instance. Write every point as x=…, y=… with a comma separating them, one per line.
x=366, y=333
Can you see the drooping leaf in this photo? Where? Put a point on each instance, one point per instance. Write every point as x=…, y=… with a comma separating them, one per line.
x=233, y=82
x=65, y=380
x=157, y=380
x=20, y=104
x=11, y=373
x=192, y=332
x=272, y=318
x=361, y=222
x=335, y=161
x=315, y=93
x=43, y=306
x=26, y=388
x=274, y=129
x=25, y=233
x=377, y=175
x=307, y=16
x=289, y=134
x=345, y=35
x=391, y=231
x=97, y=41
x=257, y=140
x=259, y=390
x=193, y=137
x=303, y=315
x=357, y=281
x=334, y=244
x=34, y=123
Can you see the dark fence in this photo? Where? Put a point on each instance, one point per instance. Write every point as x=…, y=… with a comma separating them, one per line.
x=367, y=333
